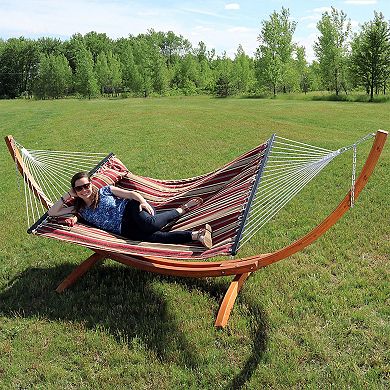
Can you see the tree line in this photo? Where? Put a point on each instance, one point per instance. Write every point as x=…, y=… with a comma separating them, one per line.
x=167, y=64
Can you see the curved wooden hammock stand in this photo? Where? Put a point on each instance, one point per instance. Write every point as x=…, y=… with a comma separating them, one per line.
x=240, y=268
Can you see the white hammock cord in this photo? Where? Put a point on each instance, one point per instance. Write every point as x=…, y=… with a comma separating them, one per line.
x=353, y=178
x=51, y=172
x=290, y=166
x=279, y=201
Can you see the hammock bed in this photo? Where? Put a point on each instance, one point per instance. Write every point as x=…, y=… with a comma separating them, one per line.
x=238, y=199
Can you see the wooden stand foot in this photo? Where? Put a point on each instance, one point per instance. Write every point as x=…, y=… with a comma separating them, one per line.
x=229, y=299
x=79, y=271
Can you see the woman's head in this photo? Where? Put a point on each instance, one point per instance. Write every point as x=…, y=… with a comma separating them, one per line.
x=79, y=179
x=81, y=184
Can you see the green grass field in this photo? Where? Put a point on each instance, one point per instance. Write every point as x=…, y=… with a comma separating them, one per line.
x=319, y=319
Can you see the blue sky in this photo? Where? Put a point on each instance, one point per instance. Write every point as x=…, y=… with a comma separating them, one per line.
x=222, y=25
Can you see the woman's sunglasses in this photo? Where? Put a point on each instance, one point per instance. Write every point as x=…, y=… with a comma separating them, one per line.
x=82, y=187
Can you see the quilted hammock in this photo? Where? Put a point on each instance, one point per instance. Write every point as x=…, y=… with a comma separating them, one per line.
x=225, y=193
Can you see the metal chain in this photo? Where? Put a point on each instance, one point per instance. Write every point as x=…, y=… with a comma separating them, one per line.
x=353, y=175
x=365, y=138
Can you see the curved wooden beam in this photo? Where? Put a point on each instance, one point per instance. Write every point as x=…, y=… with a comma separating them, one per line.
x=269, y=258
x=28, y=178
x=171, y=268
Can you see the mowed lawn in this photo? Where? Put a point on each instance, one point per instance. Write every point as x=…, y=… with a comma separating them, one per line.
x=319, y=319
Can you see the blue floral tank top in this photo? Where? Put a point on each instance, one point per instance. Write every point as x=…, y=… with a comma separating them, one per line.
x=108, y=213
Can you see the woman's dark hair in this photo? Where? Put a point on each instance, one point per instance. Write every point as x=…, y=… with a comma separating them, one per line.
x=79, y=203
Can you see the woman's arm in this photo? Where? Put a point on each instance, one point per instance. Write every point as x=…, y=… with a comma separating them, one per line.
x=60, y=208
x=143, y=204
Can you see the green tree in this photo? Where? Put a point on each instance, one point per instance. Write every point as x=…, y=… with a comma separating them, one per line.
x=47, y=45
x=206, y=79
x=224, y=85
x=54, y=76
x=173, y=47
x=243, y=74
x=150, y=62
x=108, y=72
x=291, y=78
x=167, y=50
x=274, y=54
x=187, y=76
x=72, y=48
x=18, y=67
x=314, y=76
x=160, y=74
x=143, y=57
x=331, y=49
x=302, y=69
x=97, y=43
x=131, y=78
x=370, y=59
x=102, y=72
x=114, y=66
x=85, y=78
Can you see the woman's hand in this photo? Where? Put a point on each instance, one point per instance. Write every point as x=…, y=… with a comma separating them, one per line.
x=147, y=207
x=60, y=207
x=126, y=194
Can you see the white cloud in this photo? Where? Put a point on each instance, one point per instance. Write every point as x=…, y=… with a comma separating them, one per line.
x=355, y=25
x=205, y=13
x=241, y=30
x=226, y=39
x=309, y=17
x=308, y=43
x=360, y=2
x=314, y=16
x=198, y=30
x=321, y=10
x=232, y=6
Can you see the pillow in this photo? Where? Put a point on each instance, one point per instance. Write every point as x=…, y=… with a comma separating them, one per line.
x=66, y=220
x=110, y=173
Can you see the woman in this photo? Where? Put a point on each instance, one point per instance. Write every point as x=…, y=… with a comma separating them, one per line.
x=126, y=213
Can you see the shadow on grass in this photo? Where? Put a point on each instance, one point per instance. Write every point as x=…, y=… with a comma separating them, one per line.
x=124, y=302
x=258, y=325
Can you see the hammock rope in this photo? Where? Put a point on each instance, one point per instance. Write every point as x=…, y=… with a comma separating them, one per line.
x=289, y=167
x=51, y=171
x=270, y=177
x=353, y=178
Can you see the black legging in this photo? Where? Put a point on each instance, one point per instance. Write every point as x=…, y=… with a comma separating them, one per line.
x=140, y=225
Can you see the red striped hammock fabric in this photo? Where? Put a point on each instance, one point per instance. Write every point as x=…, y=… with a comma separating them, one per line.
x=224, y=191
